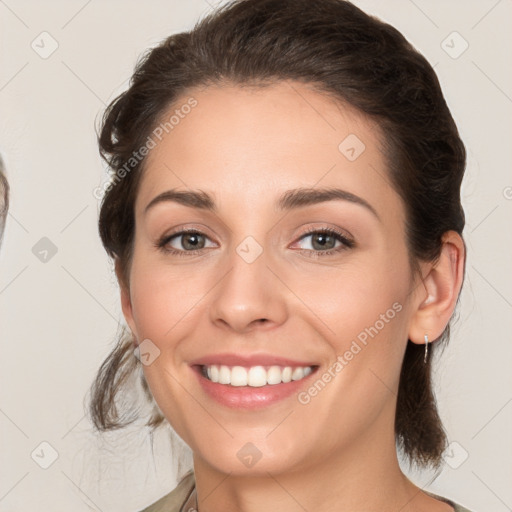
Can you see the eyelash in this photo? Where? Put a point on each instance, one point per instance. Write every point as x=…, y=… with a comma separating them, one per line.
x=347, y=242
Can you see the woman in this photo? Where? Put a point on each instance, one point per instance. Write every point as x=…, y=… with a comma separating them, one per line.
x=285, y=219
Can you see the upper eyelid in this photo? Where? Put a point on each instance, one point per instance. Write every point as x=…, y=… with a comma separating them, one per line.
x=308, y=232
x=337, y=231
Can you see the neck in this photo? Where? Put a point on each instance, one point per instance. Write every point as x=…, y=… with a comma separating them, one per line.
x=364, y=476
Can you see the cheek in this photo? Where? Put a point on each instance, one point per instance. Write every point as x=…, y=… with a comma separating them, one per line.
x=163, y=298
x=343, y=301
x=366, y=312
x=355, y=297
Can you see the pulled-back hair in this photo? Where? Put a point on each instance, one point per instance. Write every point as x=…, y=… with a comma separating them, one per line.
x=4, y=199
x=342, y=52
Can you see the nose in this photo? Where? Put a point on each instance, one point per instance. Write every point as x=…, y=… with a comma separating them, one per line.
x=250, y=296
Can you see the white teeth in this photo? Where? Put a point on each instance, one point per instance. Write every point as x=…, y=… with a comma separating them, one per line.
x=274, y=375
x=214, y=374
x=224, y=375
x=287, y=374
x=238, y=376
x=255, y=376
x=298, y=373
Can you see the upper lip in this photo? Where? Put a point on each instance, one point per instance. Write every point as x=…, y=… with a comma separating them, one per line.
x=229, y=359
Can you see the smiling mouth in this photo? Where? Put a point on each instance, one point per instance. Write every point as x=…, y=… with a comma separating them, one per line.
x=254, y=376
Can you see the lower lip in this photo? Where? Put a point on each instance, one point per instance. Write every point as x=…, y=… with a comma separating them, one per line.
x=248, y=397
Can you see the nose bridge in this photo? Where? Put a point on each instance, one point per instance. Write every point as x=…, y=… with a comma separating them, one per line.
x=249, y=292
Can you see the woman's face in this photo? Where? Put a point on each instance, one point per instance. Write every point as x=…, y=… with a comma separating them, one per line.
x=261, y=286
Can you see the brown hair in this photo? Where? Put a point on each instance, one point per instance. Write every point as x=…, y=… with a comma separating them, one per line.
x=343, y=52
x=4, y=199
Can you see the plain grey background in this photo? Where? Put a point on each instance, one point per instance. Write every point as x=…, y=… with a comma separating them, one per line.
x=61, y=63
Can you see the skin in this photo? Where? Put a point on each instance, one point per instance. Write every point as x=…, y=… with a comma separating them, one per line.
x=245, y=147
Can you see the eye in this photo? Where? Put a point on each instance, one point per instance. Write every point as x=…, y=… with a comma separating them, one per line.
x=191, y=242
x=323, y=242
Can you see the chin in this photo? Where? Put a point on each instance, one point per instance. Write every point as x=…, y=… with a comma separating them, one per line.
x=251, y=458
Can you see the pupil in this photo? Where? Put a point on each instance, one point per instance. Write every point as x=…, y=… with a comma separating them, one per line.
x=324, y=239
x=193, y=245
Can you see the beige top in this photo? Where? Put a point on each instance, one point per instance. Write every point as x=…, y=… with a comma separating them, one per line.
x=182, y=498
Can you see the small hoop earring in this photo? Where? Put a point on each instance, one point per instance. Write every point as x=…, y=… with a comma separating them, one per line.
x=426, y=348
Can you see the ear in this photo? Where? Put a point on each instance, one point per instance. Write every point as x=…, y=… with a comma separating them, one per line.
x=126, y=302
x=437, y=294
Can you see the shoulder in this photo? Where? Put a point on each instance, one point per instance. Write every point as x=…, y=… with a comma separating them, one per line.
x=173, y=501
x=456, y=506
x=460, y=508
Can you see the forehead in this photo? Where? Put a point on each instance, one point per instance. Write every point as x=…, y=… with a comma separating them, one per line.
x=250, y=143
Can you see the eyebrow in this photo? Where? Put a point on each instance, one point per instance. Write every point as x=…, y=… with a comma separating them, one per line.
x=289, y=200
